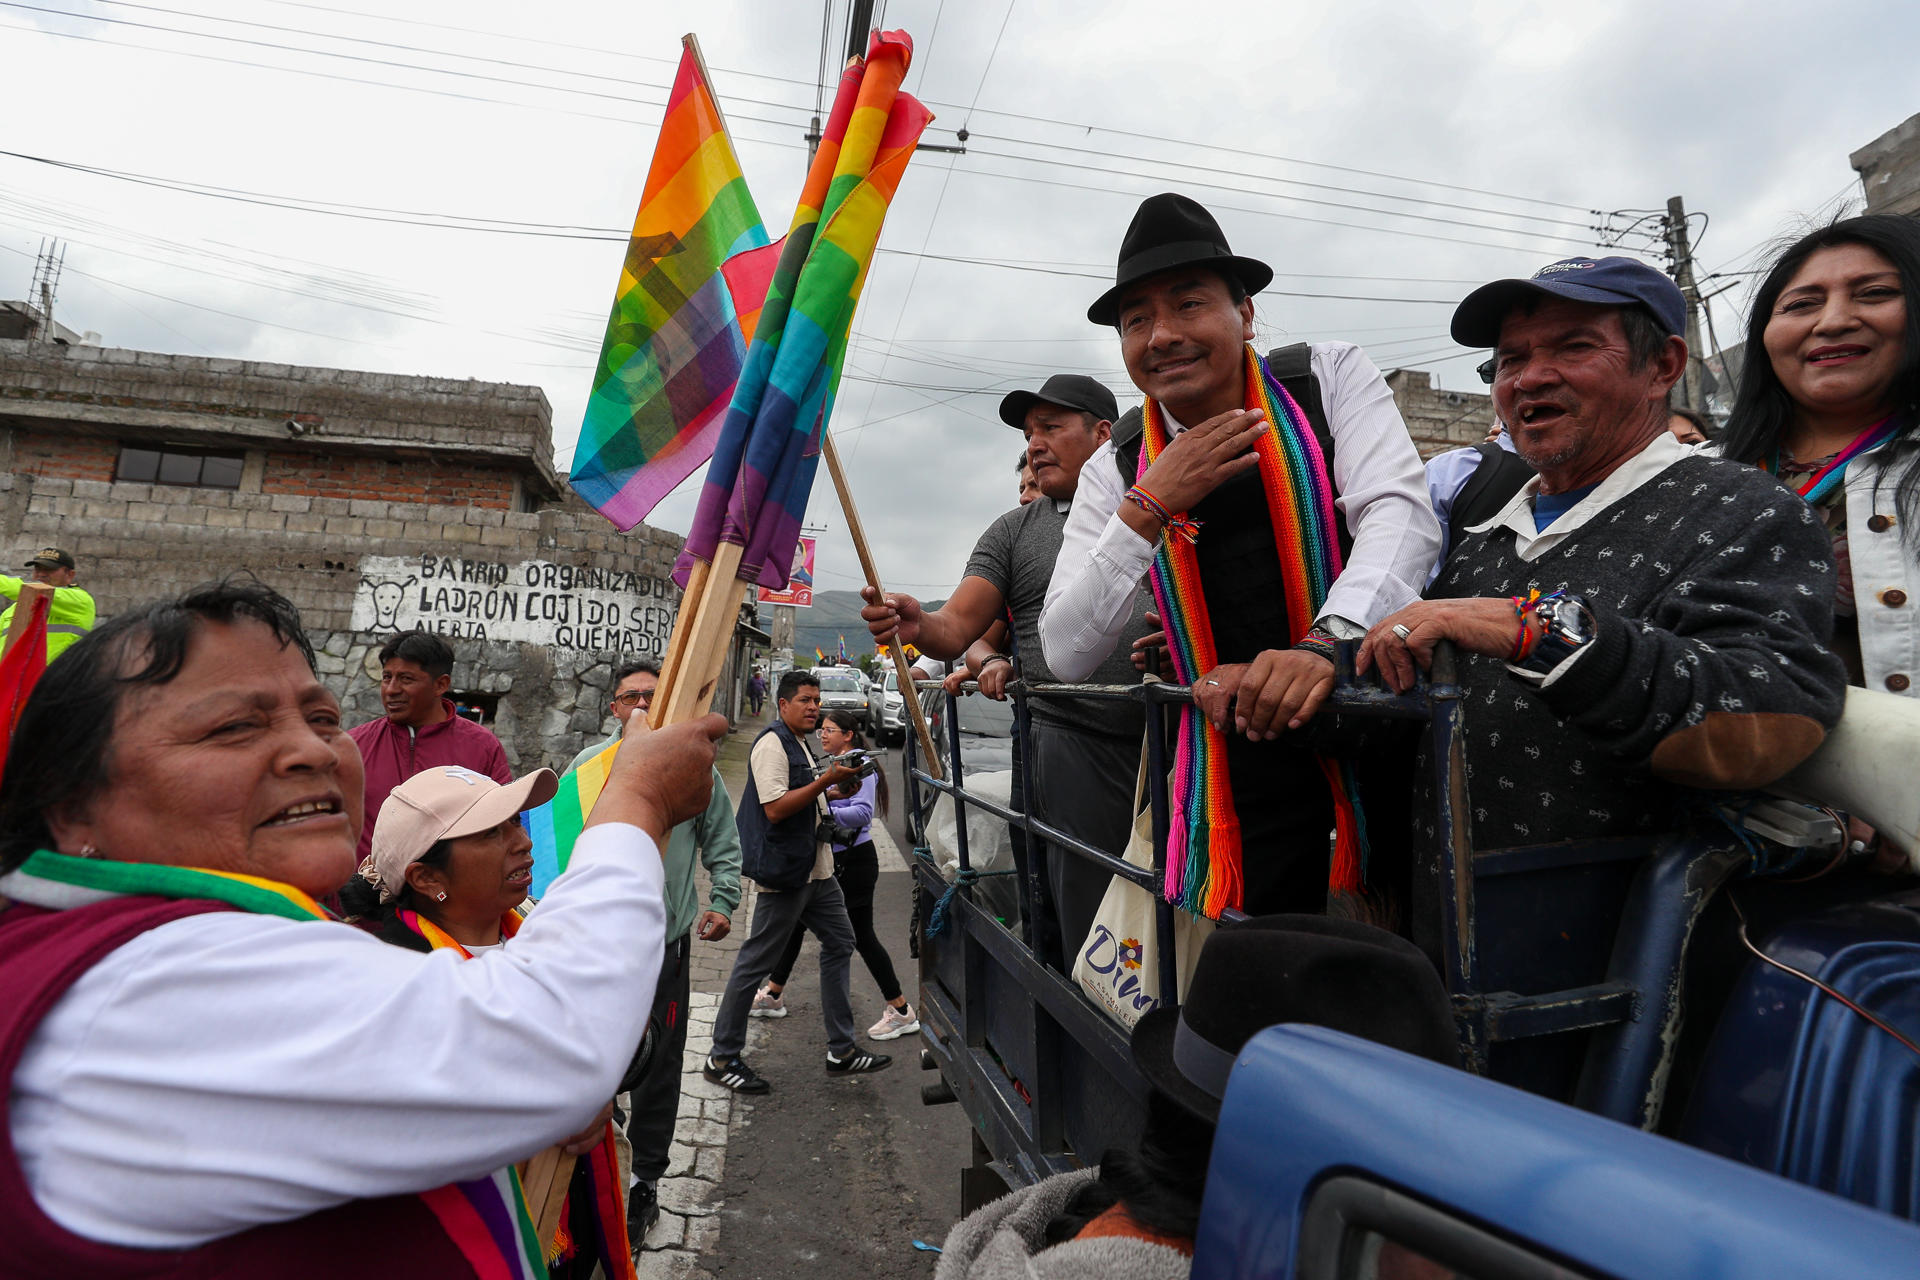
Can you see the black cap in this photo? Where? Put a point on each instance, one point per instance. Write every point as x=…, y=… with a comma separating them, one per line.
x=1069, y=391
x=1610, y=282
x=51, y=558
x=1171, y=231
x=1254, y=974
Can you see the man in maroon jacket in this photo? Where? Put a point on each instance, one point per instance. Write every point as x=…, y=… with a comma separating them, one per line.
x=421, y=728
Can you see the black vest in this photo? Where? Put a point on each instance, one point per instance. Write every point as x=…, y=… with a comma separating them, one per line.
x=779, y=855
x=1239, y=564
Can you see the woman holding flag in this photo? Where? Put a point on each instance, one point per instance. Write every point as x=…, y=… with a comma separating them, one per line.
x=1832, y=409
x=203, y=1073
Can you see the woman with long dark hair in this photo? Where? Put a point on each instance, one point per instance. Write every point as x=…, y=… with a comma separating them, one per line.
x=856, y=864
x=1829, y=400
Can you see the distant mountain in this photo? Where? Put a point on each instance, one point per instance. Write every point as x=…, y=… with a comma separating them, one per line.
x=834, y=614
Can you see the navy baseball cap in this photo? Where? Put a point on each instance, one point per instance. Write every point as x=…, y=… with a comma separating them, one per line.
x=1069, y=391
x=1611, y=282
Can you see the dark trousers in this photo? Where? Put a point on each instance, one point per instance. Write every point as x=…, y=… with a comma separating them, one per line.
x=1286, y=820
x=1083, y=785
x=858, y=871
x=655, y=1100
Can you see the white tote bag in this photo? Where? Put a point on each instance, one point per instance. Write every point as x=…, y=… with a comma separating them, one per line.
x=1118, y=965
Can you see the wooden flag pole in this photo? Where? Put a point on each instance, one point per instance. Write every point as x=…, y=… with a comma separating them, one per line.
x=908, y=694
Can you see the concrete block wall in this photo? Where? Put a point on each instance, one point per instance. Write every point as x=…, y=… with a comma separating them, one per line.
x=1439, y=420
x=116, y=389
x=137, y=542
x=345, y=475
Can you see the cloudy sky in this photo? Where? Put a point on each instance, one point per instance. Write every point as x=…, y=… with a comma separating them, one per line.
x=1383, y=157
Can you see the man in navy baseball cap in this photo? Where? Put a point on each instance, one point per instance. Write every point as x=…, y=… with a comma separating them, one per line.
x=1611, y=282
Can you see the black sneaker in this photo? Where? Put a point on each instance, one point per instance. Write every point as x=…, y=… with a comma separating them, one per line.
x=643, y=1210
x=856, y=1062
x=736, y=1075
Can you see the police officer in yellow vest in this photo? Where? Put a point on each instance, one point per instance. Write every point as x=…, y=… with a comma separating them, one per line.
x=71, y=614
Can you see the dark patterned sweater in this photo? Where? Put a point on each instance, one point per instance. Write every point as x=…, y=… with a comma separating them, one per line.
x=1712, y=587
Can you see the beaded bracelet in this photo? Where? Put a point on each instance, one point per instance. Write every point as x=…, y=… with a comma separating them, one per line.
x=1526, y=608
x=1320, y=642
x=1185, y=526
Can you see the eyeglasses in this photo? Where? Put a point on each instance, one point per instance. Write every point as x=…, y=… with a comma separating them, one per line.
x=1485, y=370
x=632, y=699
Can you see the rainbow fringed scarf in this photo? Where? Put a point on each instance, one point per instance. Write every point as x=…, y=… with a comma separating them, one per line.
x=1203, y=837
x=1822, y=482
x=486, y=1219
x=602, y=1181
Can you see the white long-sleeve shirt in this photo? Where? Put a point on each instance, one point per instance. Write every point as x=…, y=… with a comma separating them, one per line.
x=1379, y=485
x=229, y=1070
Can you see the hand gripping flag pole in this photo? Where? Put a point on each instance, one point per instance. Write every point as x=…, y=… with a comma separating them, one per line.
x=721, y=344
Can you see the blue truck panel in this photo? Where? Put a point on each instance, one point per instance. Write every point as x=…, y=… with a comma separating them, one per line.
x=1472, y=1165
x=1804, y=1087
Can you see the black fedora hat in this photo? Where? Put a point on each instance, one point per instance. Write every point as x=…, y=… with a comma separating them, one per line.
x=1171, y=231
x=1069, y=391
x=1254, y=974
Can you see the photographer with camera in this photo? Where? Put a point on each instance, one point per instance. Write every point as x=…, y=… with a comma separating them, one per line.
x=856, y=865
x=786, y=831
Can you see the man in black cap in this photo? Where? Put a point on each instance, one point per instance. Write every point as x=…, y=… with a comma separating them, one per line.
x=1086, y=753
x=71, y=612
x=1209, y=504
x=1636, y=616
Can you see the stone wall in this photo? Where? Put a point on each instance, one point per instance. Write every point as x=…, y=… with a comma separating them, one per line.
x=136, y=542
x=1439, y=420
x=552, y=703
x=1889, y=169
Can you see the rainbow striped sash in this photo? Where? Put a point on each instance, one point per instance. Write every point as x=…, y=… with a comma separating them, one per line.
x=1203, y=838
x=486, y=1219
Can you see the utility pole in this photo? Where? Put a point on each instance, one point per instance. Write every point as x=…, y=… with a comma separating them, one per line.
x=859, y=30
x=1681, y=254
x=46, y=282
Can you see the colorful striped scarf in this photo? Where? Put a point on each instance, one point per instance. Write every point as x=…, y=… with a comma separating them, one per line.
x=1822, y=482
x=1203, y=838
x=601, y=1181
x=487, y=1218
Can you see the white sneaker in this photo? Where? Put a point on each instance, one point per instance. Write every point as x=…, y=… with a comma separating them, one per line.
x=894, y=1023
x=769, y=1006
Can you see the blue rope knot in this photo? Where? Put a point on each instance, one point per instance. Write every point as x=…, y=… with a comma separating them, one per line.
x=937, y=919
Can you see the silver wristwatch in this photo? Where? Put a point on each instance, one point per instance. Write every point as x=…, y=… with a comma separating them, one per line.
x=1570, y=628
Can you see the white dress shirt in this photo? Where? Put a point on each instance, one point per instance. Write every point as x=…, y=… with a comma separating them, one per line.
x=230, y=1070
x=1379, y=485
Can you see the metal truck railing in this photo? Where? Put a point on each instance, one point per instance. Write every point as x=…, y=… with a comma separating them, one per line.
x=1562, y=959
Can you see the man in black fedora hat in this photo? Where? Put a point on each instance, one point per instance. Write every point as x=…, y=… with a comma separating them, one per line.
x=1206, y=489
x=1085, y=752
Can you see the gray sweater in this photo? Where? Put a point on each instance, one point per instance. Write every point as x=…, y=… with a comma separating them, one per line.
x=1712, y=587
x=1005, y=1241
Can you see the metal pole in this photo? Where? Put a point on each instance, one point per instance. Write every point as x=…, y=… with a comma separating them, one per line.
x=1682, y=251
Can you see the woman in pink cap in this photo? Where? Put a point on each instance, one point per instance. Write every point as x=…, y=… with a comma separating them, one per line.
x=450, y=868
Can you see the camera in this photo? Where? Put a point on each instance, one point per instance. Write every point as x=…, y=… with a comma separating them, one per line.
x=863, y=764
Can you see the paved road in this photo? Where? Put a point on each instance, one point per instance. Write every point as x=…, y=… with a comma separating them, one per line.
x=826, y=1177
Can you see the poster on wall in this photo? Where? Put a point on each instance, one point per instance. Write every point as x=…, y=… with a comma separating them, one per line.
x=800, y=584
x=561, y=606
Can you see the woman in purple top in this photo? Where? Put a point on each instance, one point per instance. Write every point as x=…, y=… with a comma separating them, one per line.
x=856, y=865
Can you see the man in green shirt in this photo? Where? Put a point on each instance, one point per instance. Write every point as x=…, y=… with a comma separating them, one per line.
x=655, y=1101
x=71, y=614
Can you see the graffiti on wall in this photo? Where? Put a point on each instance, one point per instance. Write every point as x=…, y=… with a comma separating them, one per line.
x=562, y=606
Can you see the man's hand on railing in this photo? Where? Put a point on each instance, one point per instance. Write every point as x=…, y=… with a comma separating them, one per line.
x=1404, y=640
x=1153, y=642
x=1280, y=689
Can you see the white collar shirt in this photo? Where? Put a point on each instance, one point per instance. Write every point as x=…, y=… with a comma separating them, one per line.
x=1530, y=544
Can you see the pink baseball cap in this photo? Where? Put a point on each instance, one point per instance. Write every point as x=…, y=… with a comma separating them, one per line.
x=443, y=803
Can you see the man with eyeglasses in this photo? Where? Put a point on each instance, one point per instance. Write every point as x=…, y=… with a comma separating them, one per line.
x=655, y=1101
